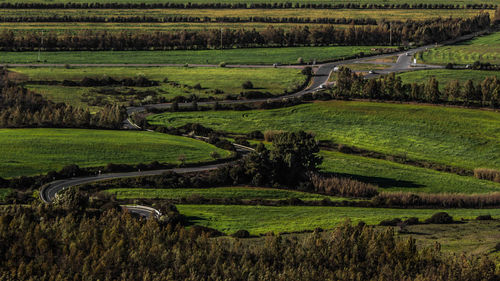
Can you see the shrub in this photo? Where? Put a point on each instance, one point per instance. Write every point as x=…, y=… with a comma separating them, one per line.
x=247, y=85
x=271, y=134
x=391, y=222
x=222, y=64
x=487, y=174
x=343, y=187
x=484, y=218
x=214, y=155
x=412, y=221
x=307, y=71
x=300, y=60
x=241, y=234
x=440, y=218
x=197, y=86
x=257, y=135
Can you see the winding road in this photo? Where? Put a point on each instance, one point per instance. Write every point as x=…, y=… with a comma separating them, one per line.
x=49, y=191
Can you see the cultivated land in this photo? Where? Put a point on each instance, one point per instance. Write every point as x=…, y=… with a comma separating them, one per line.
x=262, y=219
x=216, y=193
x=446, y=75
x=246, y=14
x=390, y=176
x=230, y=56
x=484, y=49
x=454, y=136
x=34, y=151
x=229, y=80
x=460, y=2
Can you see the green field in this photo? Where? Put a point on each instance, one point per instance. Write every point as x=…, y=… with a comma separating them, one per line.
x=484, y=49
x=34, y=151
x=262, y=219
x=453, y=136
x=461, y=2
x=390, y=176
x=216, y=193
x=229, y=80
x=445, y=75
x=230, y=56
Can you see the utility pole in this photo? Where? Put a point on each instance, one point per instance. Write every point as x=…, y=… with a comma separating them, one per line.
x=40, y=48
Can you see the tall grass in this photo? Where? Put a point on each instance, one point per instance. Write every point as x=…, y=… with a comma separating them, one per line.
x=440, y=200
x=487, y=174
x=343, y=187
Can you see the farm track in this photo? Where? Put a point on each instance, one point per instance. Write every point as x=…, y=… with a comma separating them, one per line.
x=320, y=78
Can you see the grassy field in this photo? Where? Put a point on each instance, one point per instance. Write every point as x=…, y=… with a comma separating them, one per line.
x=390, y=176
x=454, y=136
x=229, y=80
x=34, y=151
x=245, y=14
x=217, y=193
x=445, y=75
x=484, y=49
x=262, y=219
x=230, y=56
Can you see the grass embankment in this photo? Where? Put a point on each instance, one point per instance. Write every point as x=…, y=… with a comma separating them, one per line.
x=484, y=49
x=34, y=151
x=217, y=193
x=230, y=56
x=444, y=76
x=229, y=80
x=390, y=176
x=262, y=219
x=453, y=136
x=246, y=14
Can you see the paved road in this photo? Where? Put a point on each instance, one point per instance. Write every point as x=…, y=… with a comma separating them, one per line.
x=403, y=63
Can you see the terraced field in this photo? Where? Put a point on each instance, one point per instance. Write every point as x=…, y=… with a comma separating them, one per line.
x=33, y=151
x=459, y=137
x=483, y=49
x=262, y=219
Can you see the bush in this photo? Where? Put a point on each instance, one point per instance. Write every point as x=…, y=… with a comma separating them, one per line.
x=197, y=86
x=241, y=234
x=484, y=218
x=412, y=221
x=440, y=218
x=307, y=71
x=222, y=64
x=271, y=134
x=214, y=155
x=392, y=222
x=247, y=85
x=300, y=60
x=257, y=135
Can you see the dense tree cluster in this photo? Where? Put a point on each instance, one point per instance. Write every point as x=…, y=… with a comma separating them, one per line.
x=390, y=87
x=44, y=243
x=421, y=32
x=212, y=5
x=20, y=107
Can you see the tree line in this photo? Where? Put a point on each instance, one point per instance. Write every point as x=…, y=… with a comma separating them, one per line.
x=44, y=242
x=390, y=87
x=420, y=32
x=27, y=5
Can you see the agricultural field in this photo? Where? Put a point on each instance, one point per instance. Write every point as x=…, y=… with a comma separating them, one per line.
x=263, y=219
x=391, y=176
x=444, y=76
x=230, y=56
x=453, y=136
x=247, y=14
x=460, y=2
x=180, y=81
x=484, y=49
x=33, y=151
x=237, y=192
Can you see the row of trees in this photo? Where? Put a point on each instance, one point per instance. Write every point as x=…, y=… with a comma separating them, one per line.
x=45, y=243
x=189, y=5
x=421, y=32
x=65, y=18
x=22, y=108
x=390, y=87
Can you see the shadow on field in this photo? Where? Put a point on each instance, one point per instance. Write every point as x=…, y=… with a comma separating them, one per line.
x=380, y=181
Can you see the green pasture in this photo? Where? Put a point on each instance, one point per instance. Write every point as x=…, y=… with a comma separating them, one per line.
x=34, y=151
x=237, y=192
x=446, y=75
x=230, y=56
x=453, y=136
x=391, y=176
x=229, y=80
x=484, y=49
x=262, y=219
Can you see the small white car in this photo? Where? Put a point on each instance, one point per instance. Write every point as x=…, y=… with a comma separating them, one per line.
x=371, y=72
